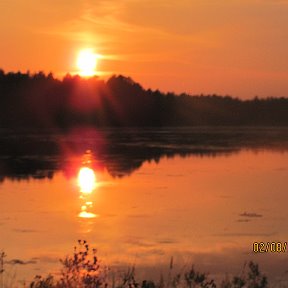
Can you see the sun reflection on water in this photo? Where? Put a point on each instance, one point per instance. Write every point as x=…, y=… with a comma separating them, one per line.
x=87, y=183
x=85, y=214
x=86, y=180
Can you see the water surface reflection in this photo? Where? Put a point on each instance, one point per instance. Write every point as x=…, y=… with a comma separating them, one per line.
x=203, y=208
x=121, y=152
x=87, y=184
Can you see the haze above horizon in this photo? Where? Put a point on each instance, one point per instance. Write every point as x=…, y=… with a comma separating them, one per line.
x=224, y=47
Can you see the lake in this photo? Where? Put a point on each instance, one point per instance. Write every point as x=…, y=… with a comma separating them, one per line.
x=200, y=195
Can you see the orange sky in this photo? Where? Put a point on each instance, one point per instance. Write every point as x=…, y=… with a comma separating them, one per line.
x=236, y=47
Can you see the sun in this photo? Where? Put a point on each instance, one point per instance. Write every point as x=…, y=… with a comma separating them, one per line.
x=87, y=62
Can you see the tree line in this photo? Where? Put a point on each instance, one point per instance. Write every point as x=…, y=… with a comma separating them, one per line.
x=42, y=101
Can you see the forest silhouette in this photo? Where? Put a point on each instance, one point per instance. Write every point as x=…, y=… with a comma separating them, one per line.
x=42, y=101
x=38, y=113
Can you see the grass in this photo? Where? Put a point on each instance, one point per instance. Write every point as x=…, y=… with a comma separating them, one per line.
x=83, y=270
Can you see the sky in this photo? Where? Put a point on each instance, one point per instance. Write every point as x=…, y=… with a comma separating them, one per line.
x=227, y=47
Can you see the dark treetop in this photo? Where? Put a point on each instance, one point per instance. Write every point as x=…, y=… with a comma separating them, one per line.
x=41, y=101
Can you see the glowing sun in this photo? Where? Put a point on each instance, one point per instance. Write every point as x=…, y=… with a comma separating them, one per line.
x=87, y=62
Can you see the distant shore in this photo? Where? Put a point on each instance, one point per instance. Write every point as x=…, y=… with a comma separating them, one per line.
x=44, y=102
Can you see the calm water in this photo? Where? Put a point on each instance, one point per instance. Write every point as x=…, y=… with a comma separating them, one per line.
x=201, y=196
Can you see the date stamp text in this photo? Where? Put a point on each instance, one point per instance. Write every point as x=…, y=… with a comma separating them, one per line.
x=269, y=247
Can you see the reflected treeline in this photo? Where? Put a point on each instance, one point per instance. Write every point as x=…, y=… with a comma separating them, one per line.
x=122, y=151
x=41, y=101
